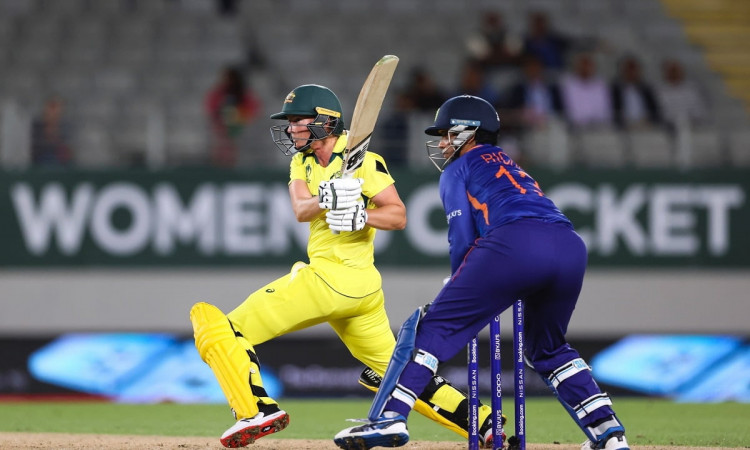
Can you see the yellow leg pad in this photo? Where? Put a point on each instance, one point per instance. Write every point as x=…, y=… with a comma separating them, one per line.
x=228, y=360
x=426, y=410
x=445, y=403
x=255, y=379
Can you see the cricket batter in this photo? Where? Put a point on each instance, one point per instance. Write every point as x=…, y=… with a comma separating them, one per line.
x=508, y=241
x=340, y=285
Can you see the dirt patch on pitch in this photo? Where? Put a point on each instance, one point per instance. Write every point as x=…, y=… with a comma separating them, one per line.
x=60, y=441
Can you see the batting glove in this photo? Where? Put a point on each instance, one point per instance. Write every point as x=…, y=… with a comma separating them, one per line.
x=350, y=219
x=340, y=193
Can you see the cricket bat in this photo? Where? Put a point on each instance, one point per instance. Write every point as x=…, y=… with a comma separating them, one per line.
x=366, y=112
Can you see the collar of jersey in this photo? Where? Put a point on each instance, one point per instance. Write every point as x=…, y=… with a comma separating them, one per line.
x=472, y=148
x=338, y=150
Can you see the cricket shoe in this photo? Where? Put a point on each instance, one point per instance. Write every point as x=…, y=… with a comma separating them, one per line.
x=383, y=432
x=246, y=431
x=486, y=437
x=615, y=441
x=489, y=440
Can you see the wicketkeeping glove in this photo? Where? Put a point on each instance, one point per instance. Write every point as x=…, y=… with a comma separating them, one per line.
x=340, y=193
x=350, y=219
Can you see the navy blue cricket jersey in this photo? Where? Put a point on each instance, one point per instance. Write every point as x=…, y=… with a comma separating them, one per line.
x=508, y=242
x=483, y=189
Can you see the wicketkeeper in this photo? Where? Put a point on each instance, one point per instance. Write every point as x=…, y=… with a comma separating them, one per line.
x=508, y=241
x=340, y=285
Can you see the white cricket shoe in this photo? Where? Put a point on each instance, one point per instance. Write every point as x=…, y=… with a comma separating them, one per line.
x=246, y=431
x=616, y=441
x=383, y=432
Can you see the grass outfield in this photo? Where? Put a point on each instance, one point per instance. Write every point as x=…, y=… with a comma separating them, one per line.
x=649, y=422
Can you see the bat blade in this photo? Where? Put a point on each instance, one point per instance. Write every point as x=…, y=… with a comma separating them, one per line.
x=366, y=112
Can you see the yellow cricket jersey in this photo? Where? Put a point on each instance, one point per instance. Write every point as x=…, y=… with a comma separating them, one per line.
x=332, y=253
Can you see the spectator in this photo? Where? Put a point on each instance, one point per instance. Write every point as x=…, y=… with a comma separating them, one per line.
x=473, y=81
x=492, y=45
x=231, y=106
x=546, y=44
x=534, y=99
x=585, y=94
x=226, y=8
x=50, y=135
x=679, y=99
x=424, y=91
x=633, y=100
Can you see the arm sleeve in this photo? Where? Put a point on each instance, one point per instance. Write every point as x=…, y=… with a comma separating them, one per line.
x=296, y=168
x=461, y=230
x=375, y=173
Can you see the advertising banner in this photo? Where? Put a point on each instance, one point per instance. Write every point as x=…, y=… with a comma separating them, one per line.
x=190, y=217
x=163, y=367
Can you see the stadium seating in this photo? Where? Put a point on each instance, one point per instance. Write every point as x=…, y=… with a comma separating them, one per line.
x=119, y=63
x=547, y=146
x=602, y=147
x=706, y=148
x=739, y=148
x=651, y=148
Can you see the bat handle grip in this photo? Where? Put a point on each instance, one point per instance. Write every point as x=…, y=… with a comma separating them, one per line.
x=346, y=175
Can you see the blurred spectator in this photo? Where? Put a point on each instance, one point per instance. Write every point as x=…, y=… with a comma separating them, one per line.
x=492, y=45
x=473, y=81
x=230, y=106
x=50, y=136
x=534, y=99
x=633, y=100
x=226, y=8
x=394, y=131
x=679, y=99
x=543, y=42
x=425, y=93
x=585, y=94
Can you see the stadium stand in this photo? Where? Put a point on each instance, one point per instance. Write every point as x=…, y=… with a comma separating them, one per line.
x=739, y=143
x=602, y=147
x=651, y=147
x=134, y=72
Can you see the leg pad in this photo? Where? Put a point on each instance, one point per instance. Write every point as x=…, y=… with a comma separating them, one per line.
x=451, y=412
x=216, y=342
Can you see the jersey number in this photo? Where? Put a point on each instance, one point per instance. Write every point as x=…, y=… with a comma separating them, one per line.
x=504, y=172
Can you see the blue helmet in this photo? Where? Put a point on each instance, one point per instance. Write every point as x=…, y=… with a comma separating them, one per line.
x=459, y=119
x=466, y=110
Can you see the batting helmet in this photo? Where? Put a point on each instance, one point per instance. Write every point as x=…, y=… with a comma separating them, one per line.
x=312, y=100
x=309, y=100
x=466, y=110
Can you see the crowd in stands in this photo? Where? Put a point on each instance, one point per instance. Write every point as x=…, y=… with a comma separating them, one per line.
x=51, y=136
x=545, y=75
x=533, y=78
x=230, y=107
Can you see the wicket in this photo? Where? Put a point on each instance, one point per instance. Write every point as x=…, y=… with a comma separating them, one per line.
x=518, y=442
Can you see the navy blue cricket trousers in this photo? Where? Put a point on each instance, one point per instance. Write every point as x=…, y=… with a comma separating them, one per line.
x=541, y=263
